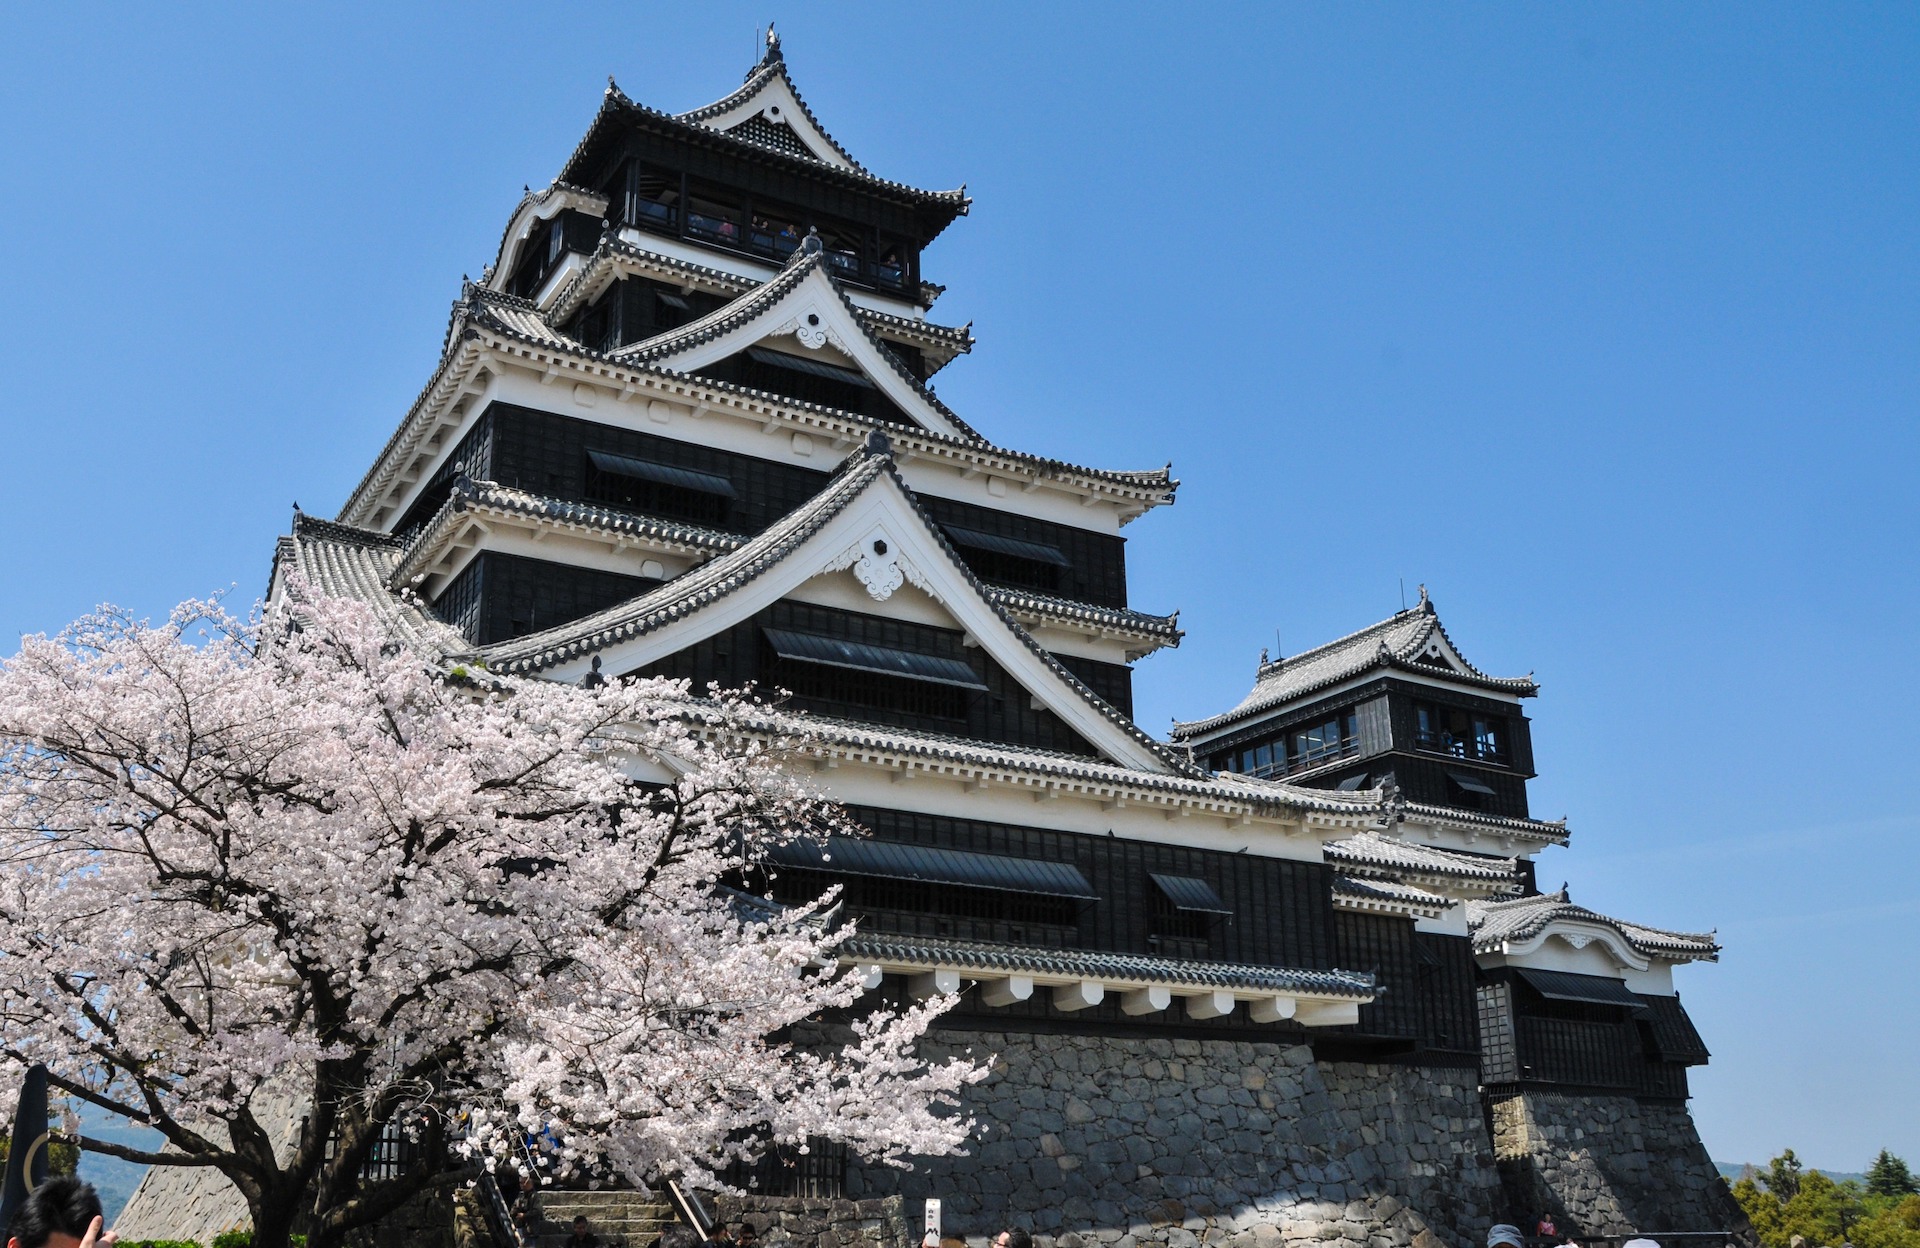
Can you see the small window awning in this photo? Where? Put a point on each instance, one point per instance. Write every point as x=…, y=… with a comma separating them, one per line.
x=1592, y=989
x=846, y=855
x=813, y=368
x=662, y=474
x=1352, y=783
x=672, y=301
x=1038, y=552
x=1471, y=783
x=858, y=656
x=1188, y=893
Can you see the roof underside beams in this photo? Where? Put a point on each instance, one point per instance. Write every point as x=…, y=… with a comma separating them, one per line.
x=1074, y=980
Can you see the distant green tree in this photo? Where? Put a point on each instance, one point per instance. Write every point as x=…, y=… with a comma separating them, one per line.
x=1889, y=1176
x=1823, y=1212
x=1783, y=1176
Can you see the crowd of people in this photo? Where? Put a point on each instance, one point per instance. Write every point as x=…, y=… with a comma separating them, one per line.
x=65, y=1212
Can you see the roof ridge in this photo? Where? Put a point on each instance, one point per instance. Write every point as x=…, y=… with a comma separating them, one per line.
x=744, y=308
x=691, y=590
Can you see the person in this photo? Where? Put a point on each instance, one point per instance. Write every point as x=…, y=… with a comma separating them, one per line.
x=1504, y=1235
x=746, y=1236
x=1013, y=1237
x=582, y=1237
x=63, y=1212
x=722, y=1237
x=1545, y=1229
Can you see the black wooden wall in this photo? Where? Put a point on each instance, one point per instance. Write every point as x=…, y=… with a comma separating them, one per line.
x=1426, y=979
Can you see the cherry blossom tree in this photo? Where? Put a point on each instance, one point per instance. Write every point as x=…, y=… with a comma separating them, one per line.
x=248, y=860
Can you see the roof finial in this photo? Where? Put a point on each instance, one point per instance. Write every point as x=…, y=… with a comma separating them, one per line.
x=1426, y=603
x=773, y=43
x=1263, y=656
x=812, y=244
x=877, y=443
x=594, y=679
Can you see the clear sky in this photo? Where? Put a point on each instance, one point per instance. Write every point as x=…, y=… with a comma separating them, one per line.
x=1599, y=320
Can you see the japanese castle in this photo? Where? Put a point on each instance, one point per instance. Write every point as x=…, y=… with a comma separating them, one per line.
x=685, y=425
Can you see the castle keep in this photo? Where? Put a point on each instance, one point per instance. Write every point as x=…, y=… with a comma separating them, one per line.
x=1287, y=976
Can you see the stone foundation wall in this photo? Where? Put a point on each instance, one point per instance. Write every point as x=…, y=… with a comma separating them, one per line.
x=1610, y=1165
x=1129, y=1142
x=880, y=1223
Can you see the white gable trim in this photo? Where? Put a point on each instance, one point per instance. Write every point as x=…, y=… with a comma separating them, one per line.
x=775, y=100
x=1575, y=934
x=851, y=544
x=815, y=315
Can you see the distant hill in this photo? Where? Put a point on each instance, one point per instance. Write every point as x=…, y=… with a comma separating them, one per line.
x=1731, y=1170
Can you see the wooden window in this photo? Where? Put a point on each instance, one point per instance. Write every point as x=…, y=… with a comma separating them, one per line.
x=1461, y=733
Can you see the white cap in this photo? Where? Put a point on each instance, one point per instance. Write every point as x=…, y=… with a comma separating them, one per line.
x=1640, y=1243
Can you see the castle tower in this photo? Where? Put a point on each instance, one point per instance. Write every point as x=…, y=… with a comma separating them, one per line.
x=685, y=426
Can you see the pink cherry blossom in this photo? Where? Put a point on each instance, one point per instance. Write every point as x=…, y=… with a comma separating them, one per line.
x=240, y=856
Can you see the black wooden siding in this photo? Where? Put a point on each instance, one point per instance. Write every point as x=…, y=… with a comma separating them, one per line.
x=499, y=596
x=546, y=454
x=1526, y=1040
x=1282, y=913
x=737, y=656
x=1426, y=979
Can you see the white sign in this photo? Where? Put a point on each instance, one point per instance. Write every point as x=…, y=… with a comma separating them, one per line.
x=933, y=1218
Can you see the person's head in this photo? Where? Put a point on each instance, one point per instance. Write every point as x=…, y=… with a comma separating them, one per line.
x=1502, y=1233
x=1013, y=1237
x=58, y=1215
x=746, y=1235
x=579, y=1227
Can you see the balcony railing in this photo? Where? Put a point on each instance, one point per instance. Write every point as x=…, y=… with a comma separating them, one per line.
x=1308, y=759
x=1460, y=747
x=760, y=239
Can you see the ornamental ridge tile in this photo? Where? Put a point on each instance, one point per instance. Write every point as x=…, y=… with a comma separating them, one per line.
x=1495, y=923
x=1393, y=642
x=990, y=958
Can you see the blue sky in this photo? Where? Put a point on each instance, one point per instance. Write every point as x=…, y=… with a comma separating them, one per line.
x=1602, y=321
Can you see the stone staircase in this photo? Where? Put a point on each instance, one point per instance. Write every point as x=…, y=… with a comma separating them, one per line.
x=620, y=1219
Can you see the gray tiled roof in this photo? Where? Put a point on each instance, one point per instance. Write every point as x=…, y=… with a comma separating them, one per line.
x=713, y=581
x=1386, y=854
x=1112, y=968
x=886, y=744
x=1394, y=642
x=508, y=316
x=1385, y=895
x=723, y=320
x=615, y=256
x=615, y=103
x=469, y=495
x=772, y=65
x=533, y=197
x=1554, y=830
x=1495, y=923
x=342, y=561
x=686, y=594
